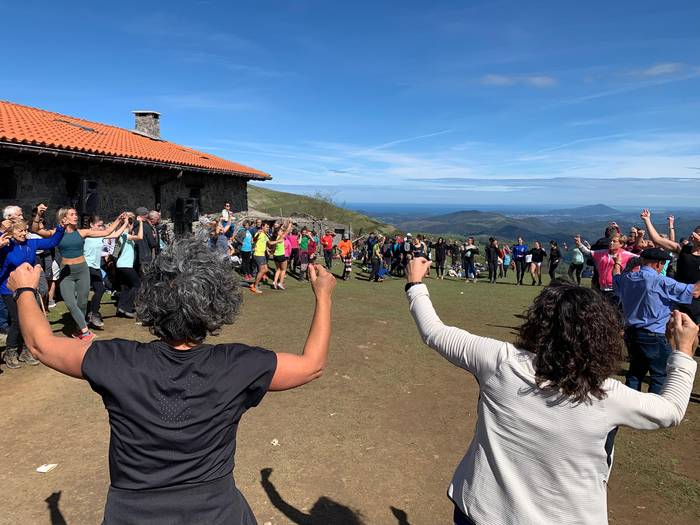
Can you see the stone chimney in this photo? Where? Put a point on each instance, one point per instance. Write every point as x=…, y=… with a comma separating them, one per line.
x=148, y=123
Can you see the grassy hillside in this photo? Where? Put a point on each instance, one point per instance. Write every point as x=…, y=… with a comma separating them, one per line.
x=281, y=203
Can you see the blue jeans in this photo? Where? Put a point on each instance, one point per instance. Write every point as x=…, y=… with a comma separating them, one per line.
x=648, y=353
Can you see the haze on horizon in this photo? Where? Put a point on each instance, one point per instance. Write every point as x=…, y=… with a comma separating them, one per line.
x=486, y=103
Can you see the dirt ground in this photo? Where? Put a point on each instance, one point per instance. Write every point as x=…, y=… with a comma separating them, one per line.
x=374, y=441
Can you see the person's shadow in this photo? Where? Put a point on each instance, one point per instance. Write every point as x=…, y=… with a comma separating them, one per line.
x=54, y=512
x=324, y=511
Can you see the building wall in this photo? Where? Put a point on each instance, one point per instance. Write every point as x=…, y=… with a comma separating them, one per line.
x=54, y=180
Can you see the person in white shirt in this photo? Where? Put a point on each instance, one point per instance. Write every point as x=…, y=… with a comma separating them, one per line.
x=548, y=407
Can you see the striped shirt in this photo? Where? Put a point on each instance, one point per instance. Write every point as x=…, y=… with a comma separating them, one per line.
x=534, y=460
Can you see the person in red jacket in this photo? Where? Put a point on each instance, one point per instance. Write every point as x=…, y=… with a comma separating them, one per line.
x=327, y=244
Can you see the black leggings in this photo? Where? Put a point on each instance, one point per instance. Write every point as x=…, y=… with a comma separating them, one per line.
x=130, y=282
x=575, y=268
x=553, y=268
x=245, y=264
x=14, y=336
x=376, y=265
x=493, y=270
x=520, y=268
x=440, y=267
x=98, y=289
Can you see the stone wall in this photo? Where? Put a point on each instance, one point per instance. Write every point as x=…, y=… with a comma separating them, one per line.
x=54, y=180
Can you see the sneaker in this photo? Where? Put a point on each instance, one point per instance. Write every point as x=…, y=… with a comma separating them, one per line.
x=26, y=357
x=274, y=286
x=122, y=313
x=11, y=358
x=84, y=336
x=95, y=320
x=52, y=304
x=254, y=289
x=280, y=286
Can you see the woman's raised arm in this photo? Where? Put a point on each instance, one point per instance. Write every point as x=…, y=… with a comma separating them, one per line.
x=295, y=370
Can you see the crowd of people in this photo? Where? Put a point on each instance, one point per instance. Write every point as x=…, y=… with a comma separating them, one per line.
x=76, y=257
x=554, y=381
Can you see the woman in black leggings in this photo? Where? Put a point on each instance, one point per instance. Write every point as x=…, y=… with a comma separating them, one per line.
x=440, y=248
x=554, y=258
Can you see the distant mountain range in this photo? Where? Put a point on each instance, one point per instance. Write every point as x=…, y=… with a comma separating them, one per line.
x=560, y=225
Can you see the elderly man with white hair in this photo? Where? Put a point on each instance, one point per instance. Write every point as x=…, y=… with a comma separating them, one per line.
x=10, y=214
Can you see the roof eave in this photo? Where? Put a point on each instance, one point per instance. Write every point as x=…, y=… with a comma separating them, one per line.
x=20, y=146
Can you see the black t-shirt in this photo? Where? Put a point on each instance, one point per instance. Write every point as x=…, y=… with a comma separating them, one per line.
x=688, y=272
x=174, y=414
x=554, y=255
x=538, y=255
x=688, y=266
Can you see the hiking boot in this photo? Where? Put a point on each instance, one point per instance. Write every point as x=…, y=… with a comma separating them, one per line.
x=11, y=358
x=26, y=357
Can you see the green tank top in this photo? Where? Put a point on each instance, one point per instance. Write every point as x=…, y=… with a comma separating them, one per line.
x=71, y=245
x=279, y=249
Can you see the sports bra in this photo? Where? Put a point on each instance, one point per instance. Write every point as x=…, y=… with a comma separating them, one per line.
x=71, y=245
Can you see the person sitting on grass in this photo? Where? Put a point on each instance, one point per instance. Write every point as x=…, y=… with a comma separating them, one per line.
x=548, y=407
x=175, y=403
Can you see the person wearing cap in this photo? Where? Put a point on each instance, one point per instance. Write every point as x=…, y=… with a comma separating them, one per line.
x=647, y=299
x=345, y=247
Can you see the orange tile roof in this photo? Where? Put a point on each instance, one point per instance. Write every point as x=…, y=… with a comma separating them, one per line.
x=37, y=127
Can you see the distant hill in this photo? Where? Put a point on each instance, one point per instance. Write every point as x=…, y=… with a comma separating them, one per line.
x=280, y=203
x=594, y=210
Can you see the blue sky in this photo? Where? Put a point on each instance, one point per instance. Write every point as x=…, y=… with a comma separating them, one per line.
x=446, y=102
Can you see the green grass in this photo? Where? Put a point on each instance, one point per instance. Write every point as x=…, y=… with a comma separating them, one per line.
x=279, y=203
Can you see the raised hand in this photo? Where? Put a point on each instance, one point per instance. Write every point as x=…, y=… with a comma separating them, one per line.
x=24, y=276
x=671, y=221
x=5, y=239
x=416, y=269
x=322, y=281
x=684, y=332
x=645, y=215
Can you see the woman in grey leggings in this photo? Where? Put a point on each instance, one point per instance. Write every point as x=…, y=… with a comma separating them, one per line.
x=74, y=280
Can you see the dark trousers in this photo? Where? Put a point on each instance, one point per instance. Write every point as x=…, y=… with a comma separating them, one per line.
x=520, y=269
x=130, y=283
x=552, y=268
x=376, y=265
x=493, y=270
x=648, y=353
x=575, y=268
x=98, y=290
x=14, y=336
x=245, y=264
x=461, y=519
x=440, y=267
x=328, y=257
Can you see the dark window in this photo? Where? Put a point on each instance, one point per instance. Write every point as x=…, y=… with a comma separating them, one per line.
x=196, y=193
x=8, y=183
x=72, y=188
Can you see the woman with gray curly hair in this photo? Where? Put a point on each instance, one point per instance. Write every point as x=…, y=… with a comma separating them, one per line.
x=175, y=403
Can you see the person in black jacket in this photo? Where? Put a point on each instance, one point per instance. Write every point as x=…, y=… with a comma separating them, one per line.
x=491, y=254
x=554, y=258
x=440, y=248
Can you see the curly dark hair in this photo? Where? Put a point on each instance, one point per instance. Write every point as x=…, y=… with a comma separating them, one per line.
x=576, y=336
x=188, y=291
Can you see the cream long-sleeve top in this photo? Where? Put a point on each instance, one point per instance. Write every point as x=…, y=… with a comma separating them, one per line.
x=535, y=458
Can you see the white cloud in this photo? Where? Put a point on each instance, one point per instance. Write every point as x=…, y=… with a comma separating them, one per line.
x=538, y=81
x=664, y=68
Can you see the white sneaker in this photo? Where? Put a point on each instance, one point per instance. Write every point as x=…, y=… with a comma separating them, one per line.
x=52, y=304
x=280, y=286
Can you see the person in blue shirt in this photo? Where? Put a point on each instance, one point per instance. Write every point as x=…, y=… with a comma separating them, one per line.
x=16, y=250
x=519, y=254
x=647, y=299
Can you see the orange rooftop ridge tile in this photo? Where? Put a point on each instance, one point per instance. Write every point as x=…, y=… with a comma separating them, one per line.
x=24, y=125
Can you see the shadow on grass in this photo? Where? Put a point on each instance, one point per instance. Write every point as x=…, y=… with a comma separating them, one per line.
x=55, y=514
x=324, y=511
x=400, y=515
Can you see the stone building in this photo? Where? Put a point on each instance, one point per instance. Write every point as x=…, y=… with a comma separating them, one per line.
x=61, y=160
